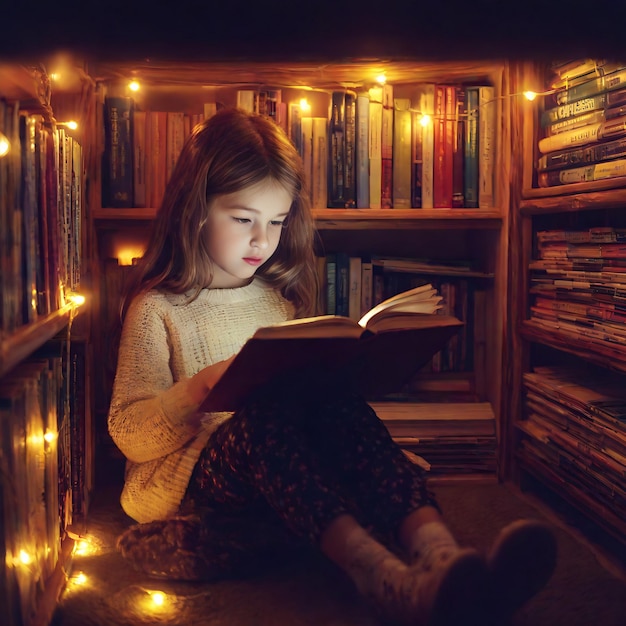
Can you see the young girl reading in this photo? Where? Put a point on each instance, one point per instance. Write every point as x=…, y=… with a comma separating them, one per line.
x=231, y=251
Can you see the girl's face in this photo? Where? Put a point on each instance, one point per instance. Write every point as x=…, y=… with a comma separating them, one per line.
x=245, y=228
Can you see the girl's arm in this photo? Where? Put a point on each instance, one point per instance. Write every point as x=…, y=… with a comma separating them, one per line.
x=150, y=415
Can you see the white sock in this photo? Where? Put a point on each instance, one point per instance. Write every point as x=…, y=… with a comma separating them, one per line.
x=432, y=542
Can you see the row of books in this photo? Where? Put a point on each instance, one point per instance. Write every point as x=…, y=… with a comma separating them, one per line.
x=40, y=218
x=371, y=150
x=575, y=431
x=35, y=483
x=352, y=285
x=578, y=287
x=452, y=438
x=584, y=125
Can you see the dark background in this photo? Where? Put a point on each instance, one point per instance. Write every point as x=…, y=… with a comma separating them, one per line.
x=302, y=29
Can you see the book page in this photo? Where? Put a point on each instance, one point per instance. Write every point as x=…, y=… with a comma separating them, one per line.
x=425, y=295
x=312, y=327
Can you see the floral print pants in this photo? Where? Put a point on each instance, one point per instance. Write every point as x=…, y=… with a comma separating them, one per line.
x=288, y=464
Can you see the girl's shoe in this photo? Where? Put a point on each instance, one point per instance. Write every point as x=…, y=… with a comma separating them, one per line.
x=521, y=562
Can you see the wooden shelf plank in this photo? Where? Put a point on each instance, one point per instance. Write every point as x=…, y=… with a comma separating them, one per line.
x=355, y=219
x=613, y=356
x=28, y=338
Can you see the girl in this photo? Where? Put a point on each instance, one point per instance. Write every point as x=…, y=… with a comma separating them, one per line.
x=231, y=251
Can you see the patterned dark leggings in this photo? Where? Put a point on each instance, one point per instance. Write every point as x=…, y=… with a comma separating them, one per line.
x=296, y=461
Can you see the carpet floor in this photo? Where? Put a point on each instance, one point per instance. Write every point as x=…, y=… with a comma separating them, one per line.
x=103, y=590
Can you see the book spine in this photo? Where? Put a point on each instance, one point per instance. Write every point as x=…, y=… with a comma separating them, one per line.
x=362, y=152
x=375, y=147
x=331, y=284
x=458, y=155
x=175, y=139
x=295, y=126
x=342, y=301
x=570, y=139
x=386, y=184
x=573, y=109
x=355, y=287
x=402, y=145
x=598, y=171
x=471, y=149
x=417, y=160
x=428, y=148
x=117, y=175
x=247, y=100
x=350, y=152
x=487, y=146
x=612, y=81
x=440, y=174
x=319, y=176
x=593, y=117
x=139, y=158
x=336, y=160
x=584, y=155
x=306, y=144
x=367, y=286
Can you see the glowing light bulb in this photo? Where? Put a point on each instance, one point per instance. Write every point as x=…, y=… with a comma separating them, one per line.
x=76, y=298
x=305, y=107
x=381, y=79
x=80, y=579
x=530, y=95
x=134, y=85
x=5, y=145
x=425, y=120
x=25, y=557
x=158, y=598
x=50, y=436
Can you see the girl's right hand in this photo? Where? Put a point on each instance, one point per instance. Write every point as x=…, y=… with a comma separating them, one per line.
x=201, y=383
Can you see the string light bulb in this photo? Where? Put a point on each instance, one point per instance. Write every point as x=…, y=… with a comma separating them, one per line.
x=71, y=124
x=5, y=145
x=134, y=85
x=305, y=107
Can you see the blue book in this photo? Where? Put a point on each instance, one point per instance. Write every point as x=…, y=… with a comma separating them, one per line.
x=362, y=152
x=471, y=149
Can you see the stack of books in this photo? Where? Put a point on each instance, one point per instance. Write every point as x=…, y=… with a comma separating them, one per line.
x=584, y=124
x=454, y=437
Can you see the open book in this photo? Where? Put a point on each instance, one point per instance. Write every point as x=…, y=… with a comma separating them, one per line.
x=374, y=356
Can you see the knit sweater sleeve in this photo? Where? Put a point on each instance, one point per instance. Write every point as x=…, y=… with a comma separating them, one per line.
x=150, y=415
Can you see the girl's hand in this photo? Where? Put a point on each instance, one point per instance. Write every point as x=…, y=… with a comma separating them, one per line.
x=201, y=383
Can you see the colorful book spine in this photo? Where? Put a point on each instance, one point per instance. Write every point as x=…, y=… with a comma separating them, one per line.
x=319, y=175
x=585, y=155
x=336, y=170
x=386, y=143
x=427, y=107
x=362, y=165
x=596, y=171
x=375, y=147
x=349, y=173
x=470, y=162
x=486, y=146
x=402, y=140
x=591, y=133
x=609, y=82
x=592, y=117
x=117, y=175
x=458, y=153
x=342, y=291
x=417, y=159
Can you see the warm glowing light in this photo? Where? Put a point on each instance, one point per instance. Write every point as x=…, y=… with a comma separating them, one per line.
x=530, y=95
x=126, y=256
x=425, y=120
x=55, y=76
x=76, y=298
x=80, y=579
x=50, y=436
x=72, y=124
x=134, y=85
x=158, y=598
x=25, y=557
x=381, y=79
x=305, y=107
x=5, y=145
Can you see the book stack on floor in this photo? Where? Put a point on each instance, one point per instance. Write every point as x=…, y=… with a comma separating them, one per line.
x=584, y=124
x=454, y=438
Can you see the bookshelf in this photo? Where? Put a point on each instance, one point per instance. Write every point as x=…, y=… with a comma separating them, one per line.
x=442, y=234
x=563, y=448
x=45, y=418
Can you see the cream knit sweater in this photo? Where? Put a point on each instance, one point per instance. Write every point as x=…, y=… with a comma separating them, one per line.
x=165, y=340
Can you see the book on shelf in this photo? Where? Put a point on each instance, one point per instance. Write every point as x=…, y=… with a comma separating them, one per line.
x=319, y=163
x=337, y=147
x=486, y=146
x=591, y=117
x=595, y=171
x=376, y=355
x=349, y=172
x=458, y=154
x=583, y=106
x=609, y=82
x=375, y=146
x=470, y=161
x=581, y=71
x=139, y=158
x=387, y=147
x=175, y=129
x=588, y=134
x=402, y=139
x=441, y=419
x=584, y=155
x=443, y=143
x=423, y=150
x=117, y=170
x=362, y=151
x=355, y=279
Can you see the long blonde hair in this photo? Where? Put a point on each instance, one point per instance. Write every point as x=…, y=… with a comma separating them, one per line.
x=225, y=154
